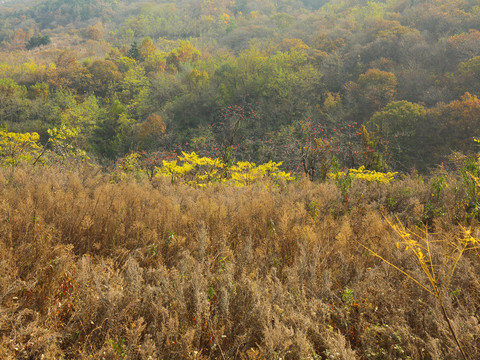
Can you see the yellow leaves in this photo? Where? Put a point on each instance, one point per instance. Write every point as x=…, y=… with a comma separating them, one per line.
x=194, y=159
x=27, y=69
x=62, y=133
x=476, y=180
x=5, y=70
x=337, y=175
x=242, y=165
x=16, y=147
x=372, y=175
x=225, y=18
x=203, y=171
x=17, y=137
x=130, y=163
x=62, y=145
x=171, y=168
x=365, y=175
x=32, y=68
x=468, y=239
x=420, y=255
x=245, y=173
x=283, y=175
x=194, y=170
x=332, y=101
x=420, y=244
x=169, y=164
x=197, y=78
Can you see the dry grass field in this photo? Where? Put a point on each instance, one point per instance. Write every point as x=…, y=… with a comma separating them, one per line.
x=94, y=267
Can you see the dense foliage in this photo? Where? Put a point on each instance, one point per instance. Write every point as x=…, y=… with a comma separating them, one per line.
x=245, y=75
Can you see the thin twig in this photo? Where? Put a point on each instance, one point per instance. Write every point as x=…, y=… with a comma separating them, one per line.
x=396, y=267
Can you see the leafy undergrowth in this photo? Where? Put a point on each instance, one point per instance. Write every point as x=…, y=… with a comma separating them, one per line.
x=137, y=269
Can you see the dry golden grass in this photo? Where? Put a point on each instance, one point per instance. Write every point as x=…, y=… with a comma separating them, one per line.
x=140, y=270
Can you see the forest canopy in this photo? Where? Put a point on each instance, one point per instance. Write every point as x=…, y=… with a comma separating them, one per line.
x=247, y=75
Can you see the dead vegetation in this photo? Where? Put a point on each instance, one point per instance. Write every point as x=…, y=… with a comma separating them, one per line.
x=94, y=268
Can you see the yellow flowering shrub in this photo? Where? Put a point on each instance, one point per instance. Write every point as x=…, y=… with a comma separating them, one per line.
x=344, y=180
x=246, y=173
x=366, y=175
x=16, y=148
x=62, y=147
x=193, y=169
x=372, y=175
x=203, y=171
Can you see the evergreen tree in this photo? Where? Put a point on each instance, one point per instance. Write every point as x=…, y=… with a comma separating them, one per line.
x=38, y=40
x=133, y=52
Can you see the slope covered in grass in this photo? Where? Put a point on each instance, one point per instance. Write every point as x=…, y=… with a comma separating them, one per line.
x=93, y=266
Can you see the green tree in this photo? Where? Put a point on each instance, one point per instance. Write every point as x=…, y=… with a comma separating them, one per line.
x=83, y=116
x=113, y=135
x=291, y=87
x=135, y=93
x=14, y=105
x=397, y=123
x=37, y=40
x=133, y=52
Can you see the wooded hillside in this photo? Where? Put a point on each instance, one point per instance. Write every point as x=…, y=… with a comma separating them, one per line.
x=256, y=76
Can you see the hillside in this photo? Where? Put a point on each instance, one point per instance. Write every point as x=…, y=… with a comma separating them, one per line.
x=239, y=179
x=407, y=70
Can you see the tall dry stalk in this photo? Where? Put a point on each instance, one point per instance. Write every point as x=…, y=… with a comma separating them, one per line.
x=438, y=275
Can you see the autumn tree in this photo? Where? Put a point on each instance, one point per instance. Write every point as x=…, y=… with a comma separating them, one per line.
x=469, y=74
x=16, y=148
x=18, y=40
x=458, y=123
x=373, y=90
x=463, y=47
x=150, y=133
x=185, y=52
x=146, y=48
x=69, y=73
x=113, y=134
x=95, y=32
x=105, y=77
